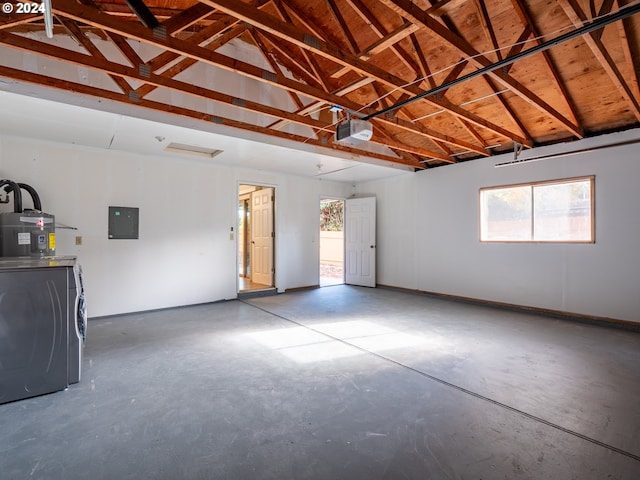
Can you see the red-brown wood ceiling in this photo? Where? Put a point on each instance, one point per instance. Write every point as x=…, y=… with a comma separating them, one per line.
x=365, y=55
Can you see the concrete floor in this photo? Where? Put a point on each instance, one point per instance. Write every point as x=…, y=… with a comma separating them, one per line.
x=337, y=383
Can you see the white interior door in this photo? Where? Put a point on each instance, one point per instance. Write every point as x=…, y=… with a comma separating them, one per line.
x=262, y=236
x=360, y=243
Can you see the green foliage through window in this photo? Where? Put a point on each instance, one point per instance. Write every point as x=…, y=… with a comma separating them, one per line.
x=331, y=215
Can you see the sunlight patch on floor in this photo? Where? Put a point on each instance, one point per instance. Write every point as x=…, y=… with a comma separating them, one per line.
x=306, y=345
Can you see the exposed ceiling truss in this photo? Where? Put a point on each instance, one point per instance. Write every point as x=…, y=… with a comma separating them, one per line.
x=364, y=56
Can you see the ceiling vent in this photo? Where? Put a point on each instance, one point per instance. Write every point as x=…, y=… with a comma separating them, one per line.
x=183, y=149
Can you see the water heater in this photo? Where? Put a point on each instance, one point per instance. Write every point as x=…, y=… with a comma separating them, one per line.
x=26, y=233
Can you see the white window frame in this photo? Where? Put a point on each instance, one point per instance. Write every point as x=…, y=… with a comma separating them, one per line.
x=533, y=185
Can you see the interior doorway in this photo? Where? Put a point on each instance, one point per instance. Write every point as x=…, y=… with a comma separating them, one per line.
x=331, y=242
x=256, y=238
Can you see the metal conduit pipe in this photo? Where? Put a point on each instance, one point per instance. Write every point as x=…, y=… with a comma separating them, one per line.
x=17, y=194
x=35, y=198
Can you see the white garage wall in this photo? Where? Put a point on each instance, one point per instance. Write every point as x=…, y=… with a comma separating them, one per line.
x=187, y=208
x=434, y=244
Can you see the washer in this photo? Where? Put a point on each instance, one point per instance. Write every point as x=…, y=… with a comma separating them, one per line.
x=77, y=322
x=36, y=316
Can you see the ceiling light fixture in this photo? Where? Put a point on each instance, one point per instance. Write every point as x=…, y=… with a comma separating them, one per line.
x=192, y=150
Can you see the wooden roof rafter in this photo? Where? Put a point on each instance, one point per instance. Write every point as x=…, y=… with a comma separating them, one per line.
x=423, y=65
x=212, y=37
x=379, y=46
x=360, y=55
x=181, y=47
x=630, y=57
x=186, y=18
x=202, y=39
x=13, y=20
x=593, y=41
x=313, y=65
x=437, y=9
x=363, y=11
x=497, y=93
x=76, y=33
x=65, y=85
x=331, y=52
x=387, y=99
x=527, y=21
x=488, y=27
x=314, y=106
x=126, y=28
x=277, y=67
x=408, y=10
x=111, y=68
x=186, y=63
x=352, y=43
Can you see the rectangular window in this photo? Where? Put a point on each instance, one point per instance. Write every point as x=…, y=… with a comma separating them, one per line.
x=556, y=211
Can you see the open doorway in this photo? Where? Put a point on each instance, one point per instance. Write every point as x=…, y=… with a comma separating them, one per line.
x=331, y=242
x=256, y=238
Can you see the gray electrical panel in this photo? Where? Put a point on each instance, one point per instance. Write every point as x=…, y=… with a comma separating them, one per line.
x=123, y=222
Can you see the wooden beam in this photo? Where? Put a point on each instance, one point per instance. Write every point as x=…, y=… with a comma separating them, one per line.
x=425, y=71
x=186, y=18
x=437, y=10
x=298, y=68
x=388, y=141
x=14, y=20
x=487, y=27
x=381, y=45
x=126, y=49
x=630, y=58
x=527, y=20
x=408, y=10
x=180, y=47
x=577, y=17
x=106, y=22
x=363, y=155
x=330, y=52
x=416, y=127
x=455, y=72
x=474, y=133
x=363, y=11
x=605, y=8
x=317, y=72
x=75, y=31
x=275, y=66
x=314, y=106
x=202, y=38
x=304, y=20
x=392, y=38
x=509, y=111
x=387, y=99
x=111, y=68
x=186, y=63
x=506, y=107
x=352, y=43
